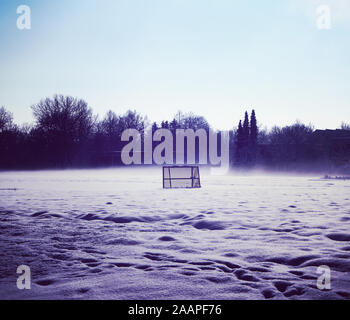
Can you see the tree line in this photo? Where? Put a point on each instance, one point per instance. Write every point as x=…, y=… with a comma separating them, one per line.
x=67, y=134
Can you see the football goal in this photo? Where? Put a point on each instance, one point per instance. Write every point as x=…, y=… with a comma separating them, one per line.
x=181, y=177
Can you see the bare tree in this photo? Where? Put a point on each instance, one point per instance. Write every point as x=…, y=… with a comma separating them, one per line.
x=110, y=125
x=65, y=123
x=64, y=114
x=295, y=134
x=290, y=144
x=345, y=126
x=133, y=120
x=190, y=121
x=109, y=132
x=5, y=119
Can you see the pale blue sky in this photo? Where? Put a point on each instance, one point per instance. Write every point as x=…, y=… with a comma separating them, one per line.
x=216, y=58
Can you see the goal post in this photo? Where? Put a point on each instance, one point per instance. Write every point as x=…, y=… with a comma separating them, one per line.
x=181, y=177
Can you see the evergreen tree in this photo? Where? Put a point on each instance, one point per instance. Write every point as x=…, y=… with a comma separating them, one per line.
x=246, y=129
x=174, y=125
x=154, y=128
x=239, y=143
x=165, y=124
x=253, y=138
x=245, y=157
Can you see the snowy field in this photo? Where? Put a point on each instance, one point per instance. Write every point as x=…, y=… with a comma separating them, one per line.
x=116, y=234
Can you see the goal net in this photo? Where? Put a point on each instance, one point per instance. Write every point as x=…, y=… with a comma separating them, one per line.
x=181, y=177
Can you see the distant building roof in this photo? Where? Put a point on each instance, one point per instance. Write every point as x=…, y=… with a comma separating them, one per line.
x=337, y=134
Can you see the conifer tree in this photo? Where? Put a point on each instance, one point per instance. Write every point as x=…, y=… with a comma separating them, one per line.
x=239, y=143
x=253, y=137
x=246, y=129
x=154, y=127
x=245, y=157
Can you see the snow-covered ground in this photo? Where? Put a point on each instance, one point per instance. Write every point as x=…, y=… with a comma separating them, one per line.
x=116, y=234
